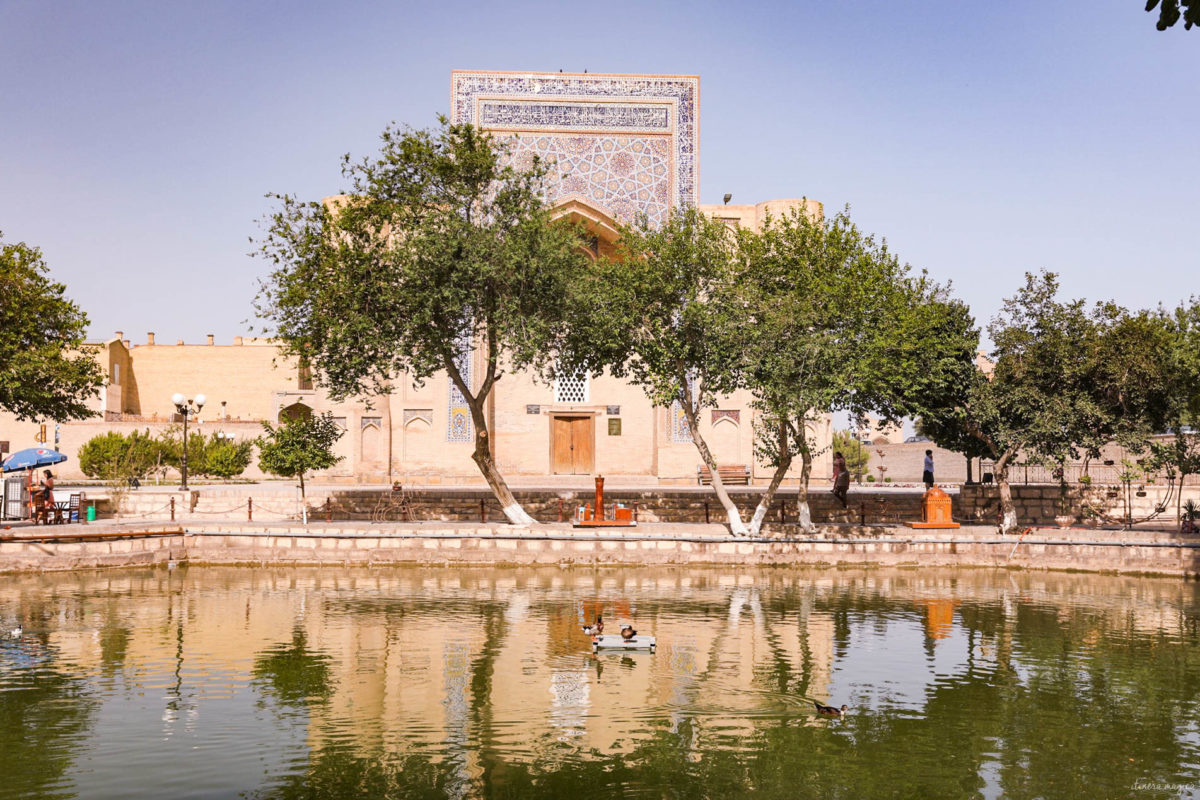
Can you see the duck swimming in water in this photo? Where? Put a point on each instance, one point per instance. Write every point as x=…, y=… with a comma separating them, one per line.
x=830, y=711
x=595, y=629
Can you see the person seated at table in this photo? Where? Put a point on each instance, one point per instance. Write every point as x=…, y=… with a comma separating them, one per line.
x=47, y=484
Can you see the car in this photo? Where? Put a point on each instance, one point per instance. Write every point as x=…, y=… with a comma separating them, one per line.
x=866, y=442
x=915, y=439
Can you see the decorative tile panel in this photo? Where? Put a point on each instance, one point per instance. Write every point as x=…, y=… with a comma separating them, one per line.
x=459, y=427
x=734, y=416
x=625, y=144
x=538, y=115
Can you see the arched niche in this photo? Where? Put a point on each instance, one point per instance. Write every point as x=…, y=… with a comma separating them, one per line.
x=296, y=411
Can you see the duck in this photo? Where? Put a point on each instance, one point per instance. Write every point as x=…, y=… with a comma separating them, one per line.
x=627, y=632
x=16, y=632
x=596, y=628
x=830, y=711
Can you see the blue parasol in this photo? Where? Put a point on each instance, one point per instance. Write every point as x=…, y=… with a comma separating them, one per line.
x=31, y=458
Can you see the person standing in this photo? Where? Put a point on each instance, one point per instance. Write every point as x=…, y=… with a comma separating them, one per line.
x=927, y=475
x=841, y=477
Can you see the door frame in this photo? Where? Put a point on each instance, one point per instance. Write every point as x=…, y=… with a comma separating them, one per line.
x=551, y=417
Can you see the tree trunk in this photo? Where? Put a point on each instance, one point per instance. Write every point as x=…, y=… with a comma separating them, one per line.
x=969, y=480
x=1008, y=510
x=803, y=511
x=736, y=526
x=482, y=456
x=764, y=503
x=303, y=501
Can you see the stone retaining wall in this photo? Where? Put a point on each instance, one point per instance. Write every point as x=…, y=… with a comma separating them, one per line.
x=494, y=545
x=1039, y=504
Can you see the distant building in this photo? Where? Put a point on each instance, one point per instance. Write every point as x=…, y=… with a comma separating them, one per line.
x=620, y=146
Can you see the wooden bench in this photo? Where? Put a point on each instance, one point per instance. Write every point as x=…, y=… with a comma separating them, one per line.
x=730, y=473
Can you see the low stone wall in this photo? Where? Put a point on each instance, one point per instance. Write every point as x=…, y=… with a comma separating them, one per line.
x=527, y=548
x=431, y=543
x=662, y=504
x=1039, y=504
x=35, y=556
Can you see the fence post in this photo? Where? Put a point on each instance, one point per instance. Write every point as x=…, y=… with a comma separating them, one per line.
x=706, y=520
x=328, y=510
x=172, y=508
x=250, y=509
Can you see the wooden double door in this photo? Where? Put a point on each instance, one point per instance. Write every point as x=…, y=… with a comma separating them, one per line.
x=572, y=445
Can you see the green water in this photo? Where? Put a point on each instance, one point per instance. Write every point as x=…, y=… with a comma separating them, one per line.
x=336, y=683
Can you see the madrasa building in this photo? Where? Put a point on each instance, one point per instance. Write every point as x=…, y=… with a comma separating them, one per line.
x=619, y=146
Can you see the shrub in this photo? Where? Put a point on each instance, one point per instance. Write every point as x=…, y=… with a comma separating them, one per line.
x=870, y=479
x=225, y=458
x=117, y=458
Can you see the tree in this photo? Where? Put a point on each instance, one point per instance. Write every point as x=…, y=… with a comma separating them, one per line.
x=662, y=314
x=226, y=458
x=43, y=374
x=1169, y=13
x=443, y=257
x=299, y=445
x=839, y=324
x=119, y=458
x=1179, y=451
x=1064, y=379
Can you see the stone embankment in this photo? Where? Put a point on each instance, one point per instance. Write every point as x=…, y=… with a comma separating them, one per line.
x=128, y=544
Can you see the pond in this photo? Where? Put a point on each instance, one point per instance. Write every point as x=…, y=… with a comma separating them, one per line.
x=459, y=682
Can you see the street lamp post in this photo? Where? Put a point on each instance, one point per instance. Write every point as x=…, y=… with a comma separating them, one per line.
x=186, y=408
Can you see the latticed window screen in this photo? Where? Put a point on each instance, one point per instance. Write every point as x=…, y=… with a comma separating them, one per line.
x=571, y=388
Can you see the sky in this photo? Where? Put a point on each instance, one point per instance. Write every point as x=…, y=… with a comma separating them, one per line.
x=138, y=140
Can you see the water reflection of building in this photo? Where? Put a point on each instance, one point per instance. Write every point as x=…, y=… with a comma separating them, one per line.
x=445, y=661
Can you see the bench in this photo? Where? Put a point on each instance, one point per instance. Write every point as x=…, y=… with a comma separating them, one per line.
x=730, y=473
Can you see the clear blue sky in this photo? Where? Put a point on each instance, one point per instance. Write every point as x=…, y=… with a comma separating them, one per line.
x=137, y=139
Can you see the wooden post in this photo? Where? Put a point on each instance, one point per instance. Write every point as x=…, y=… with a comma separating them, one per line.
x=328, y=510
x=483, y=510
x=706, y=520
x=172, y=508
x=598, y=512
x=250, y=509
x=635, y=510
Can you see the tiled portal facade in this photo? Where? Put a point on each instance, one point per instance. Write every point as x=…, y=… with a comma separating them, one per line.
x=624, y=144
x=620, y=146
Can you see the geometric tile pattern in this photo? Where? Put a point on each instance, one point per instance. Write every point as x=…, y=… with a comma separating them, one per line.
x=626, y=144
x=622, y=175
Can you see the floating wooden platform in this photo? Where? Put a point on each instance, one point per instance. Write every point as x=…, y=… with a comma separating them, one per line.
x=614, y=641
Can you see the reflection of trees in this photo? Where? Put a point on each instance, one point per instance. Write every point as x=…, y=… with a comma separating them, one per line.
x=45, y=717
x=294, y=673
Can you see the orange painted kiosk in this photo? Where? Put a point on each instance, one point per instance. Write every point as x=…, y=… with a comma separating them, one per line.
x=937, y=510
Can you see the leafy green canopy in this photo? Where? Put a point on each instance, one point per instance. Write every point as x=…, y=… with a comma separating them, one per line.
x=42, y=374
x=1170, y=13
x=840, y=324
x=299, y=445
x=120, y=458
x=442, y=241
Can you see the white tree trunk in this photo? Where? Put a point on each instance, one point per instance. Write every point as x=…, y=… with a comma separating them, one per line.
x=736, y=526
